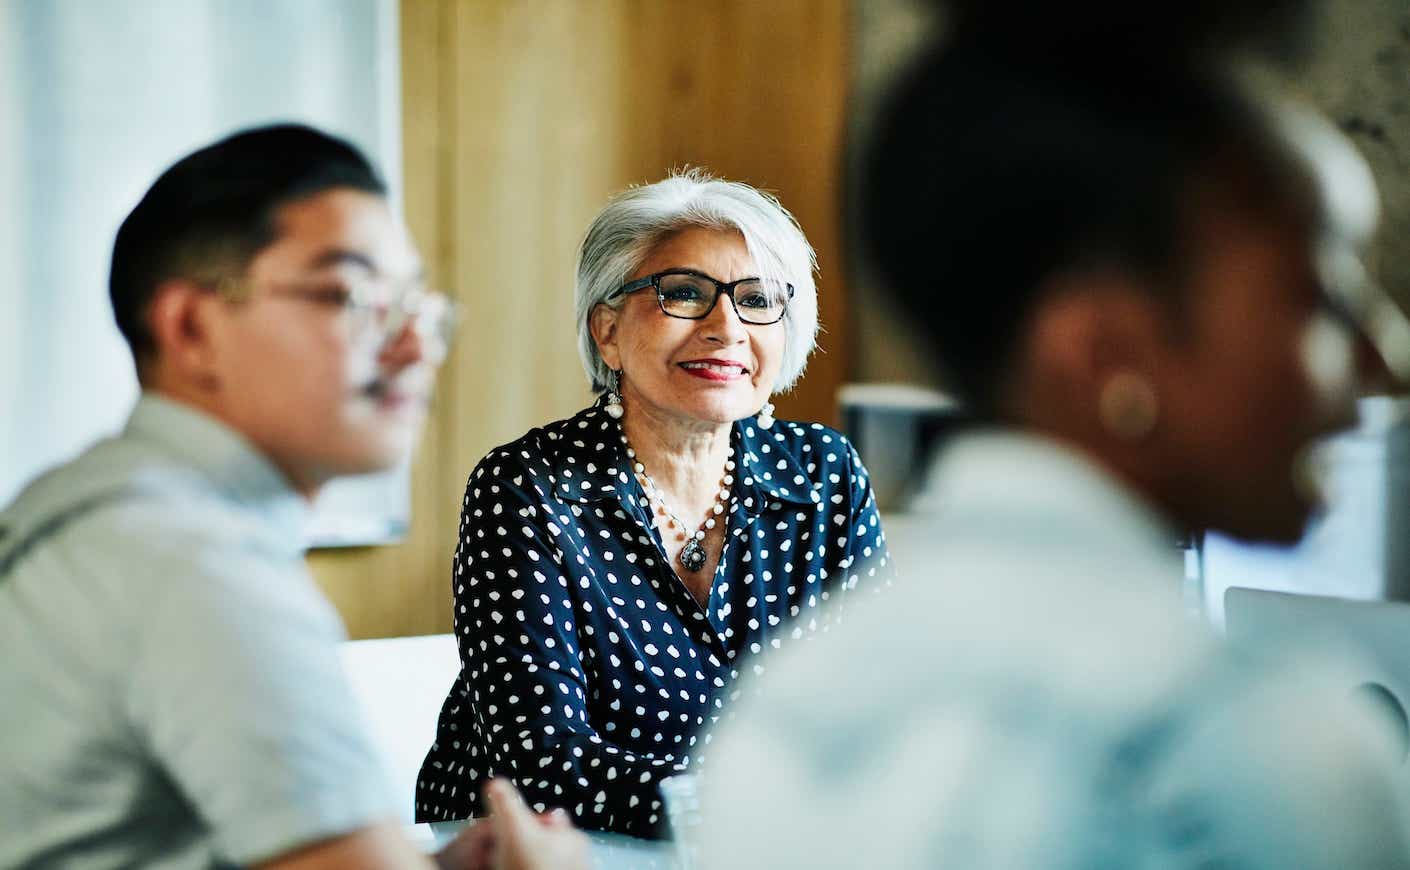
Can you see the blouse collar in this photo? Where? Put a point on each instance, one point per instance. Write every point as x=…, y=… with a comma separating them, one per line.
x=768, y=475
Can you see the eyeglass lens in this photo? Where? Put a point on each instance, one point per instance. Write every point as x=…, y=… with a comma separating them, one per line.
x=691, y=296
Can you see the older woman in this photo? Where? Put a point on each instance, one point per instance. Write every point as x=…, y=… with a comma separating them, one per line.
x=617, y=569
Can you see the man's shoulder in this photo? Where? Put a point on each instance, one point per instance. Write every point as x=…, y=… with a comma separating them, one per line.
x=114, y=496
x=143, y=536
x=156, y=512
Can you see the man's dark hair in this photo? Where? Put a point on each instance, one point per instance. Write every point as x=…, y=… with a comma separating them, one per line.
x=994, y=169
x=208, y=215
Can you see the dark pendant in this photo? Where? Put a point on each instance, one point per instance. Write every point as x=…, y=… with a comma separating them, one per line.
x=693, y=555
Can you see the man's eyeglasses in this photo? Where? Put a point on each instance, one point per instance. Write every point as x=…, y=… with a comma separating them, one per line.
x=371, y=308
x=691, y=295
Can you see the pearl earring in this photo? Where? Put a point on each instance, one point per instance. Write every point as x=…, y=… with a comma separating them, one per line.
x=1128, y=407
x=766, y=415
x=614, y=397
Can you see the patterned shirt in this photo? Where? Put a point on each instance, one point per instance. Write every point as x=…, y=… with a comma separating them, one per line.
x=588, y=670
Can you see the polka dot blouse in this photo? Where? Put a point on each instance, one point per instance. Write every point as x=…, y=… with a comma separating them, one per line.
x=588, y=670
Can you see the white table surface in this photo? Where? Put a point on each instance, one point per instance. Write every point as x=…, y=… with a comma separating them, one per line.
x=400, y=684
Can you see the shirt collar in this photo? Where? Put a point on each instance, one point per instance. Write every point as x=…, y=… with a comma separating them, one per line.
x=763, y=476
x=224, y=457
x=1008, y=473
x=596, y=439
x=771, y=473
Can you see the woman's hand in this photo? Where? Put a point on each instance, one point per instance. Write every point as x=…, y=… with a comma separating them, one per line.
x=525, y=841
x=513, y=837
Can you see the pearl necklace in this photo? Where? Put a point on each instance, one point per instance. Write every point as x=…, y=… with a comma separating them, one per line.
x=693, y=555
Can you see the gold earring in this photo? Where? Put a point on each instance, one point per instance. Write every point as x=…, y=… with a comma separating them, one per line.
x=1128, y=407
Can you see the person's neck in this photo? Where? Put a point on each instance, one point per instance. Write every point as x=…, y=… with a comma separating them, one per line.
x=207, y=402
x=684, y=458
x=1136, y=468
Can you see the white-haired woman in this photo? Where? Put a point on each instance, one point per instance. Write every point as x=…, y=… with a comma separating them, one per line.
x=616, y=570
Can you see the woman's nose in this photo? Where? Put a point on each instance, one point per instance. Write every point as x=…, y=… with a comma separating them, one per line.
x=722, y=323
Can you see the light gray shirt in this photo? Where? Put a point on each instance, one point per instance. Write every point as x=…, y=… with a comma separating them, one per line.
x=170, y=687
x=1032, y=695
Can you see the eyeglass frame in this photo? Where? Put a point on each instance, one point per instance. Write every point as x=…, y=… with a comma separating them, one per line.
x=725, y=288
x=398, y=315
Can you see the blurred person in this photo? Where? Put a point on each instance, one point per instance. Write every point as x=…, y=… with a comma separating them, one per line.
x=173, y=694
x=617, y=570
x=1140, y=281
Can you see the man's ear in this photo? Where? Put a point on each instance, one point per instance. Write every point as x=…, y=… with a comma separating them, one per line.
x=180, y=320
x=602, y=323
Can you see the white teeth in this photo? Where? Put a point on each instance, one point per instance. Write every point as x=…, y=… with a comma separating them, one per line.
x=715, y=367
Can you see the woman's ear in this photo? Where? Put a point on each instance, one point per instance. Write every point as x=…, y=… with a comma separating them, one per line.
x=1117, y=354
x=1097, y=324
x=602, y=323
x=1097, y=341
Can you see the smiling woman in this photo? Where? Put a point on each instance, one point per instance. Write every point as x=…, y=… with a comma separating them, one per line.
x=616, y=571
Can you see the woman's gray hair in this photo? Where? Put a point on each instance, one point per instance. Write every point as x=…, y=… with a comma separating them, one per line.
x=636, y=220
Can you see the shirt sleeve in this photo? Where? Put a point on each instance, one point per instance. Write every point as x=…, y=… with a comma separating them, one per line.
x=238, y=693
x=522, y=669
x=1282, y=769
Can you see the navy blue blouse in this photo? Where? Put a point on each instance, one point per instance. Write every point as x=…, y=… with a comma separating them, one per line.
x=588, y=670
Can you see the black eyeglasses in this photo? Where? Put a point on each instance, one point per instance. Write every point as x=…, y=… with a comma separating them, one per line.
x=692, y=295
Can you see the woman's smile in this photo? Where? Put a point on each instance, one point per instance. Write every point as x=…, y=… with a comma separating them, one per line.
x=712, y=369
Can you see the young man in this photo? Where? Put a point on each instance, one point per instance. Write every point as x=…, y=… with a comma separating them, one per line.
x=171, y=681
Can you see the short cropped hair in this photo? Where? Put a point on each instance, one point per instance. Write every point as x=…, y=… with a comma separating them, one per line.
x=208, y=215
x=623, y=234
x=991, y=173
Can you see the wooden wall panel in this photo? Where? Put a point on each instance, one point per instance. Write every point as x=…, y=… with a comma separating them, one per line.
x=521, y=118
x=755, y=92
